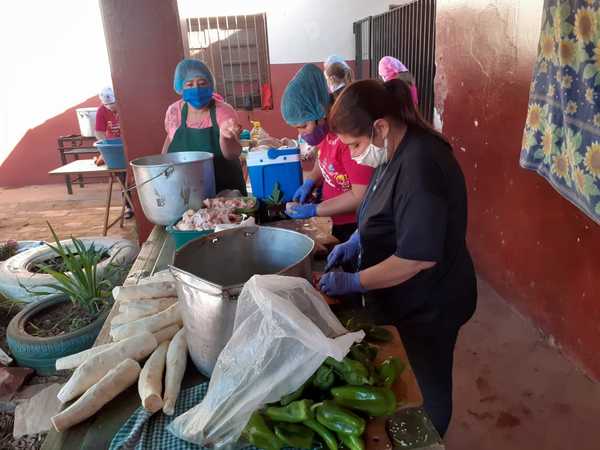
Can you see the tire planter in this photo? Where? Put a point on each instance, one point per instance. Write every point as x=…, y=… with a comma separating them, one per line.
x=41, y=353
x=15, y=273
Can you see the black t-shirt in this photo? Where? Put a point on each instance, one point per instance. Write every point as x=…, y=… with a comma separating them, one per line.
x=416, y=208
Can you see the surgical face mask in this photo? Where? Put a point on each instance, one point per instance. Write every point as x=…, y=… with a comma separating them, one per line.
x=333, y=87
x=198, y=97
x=317, y=135
x=373, y=156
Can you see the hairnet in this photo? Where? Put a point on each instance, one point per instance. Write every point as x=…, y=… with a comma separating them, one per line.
x=389, y=67
x=188, y=69
x=107, y=96
x=335, y=59
x=305, y=97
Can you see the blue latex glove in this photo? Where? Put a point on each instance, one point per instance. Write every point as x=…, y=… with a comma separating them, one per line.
x=340, y=283
x=305, y=211
x=304, y=191
x=346, y=252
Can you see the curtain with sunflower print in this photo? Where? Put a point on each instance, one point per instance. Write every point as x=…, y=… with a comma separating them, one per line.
x=562, y=132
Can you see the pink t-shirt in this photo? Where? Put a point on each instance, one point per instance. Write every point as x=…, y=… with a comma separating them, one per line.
x=173, y=117
x=340, y=172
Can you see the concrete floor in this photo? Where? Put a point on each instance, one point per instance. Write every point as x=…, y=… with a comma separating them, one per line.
x=24, y=212
x=512, y=390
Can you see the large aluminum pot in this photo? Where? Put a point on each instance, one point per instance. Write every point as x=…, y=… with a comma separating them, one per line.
x=170, y=184
x=211, y=271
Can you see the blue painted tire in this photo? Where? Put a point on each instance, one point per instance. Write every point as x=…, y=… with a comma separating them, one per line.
x=41, y=353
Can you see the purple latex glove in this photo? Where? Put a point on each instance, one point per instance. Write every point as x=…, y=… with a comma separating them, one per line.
x=340, y=283
x=304, y=191
x=344, y=253
x=305, y=211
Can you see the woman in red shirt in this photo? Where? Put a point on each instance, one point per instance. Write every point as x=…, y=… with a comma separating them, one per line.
x=304, y=106
x=107, y=116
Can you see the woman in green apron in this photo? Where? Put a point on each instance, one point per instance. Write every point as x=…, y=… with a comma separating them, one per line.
x=202, y=121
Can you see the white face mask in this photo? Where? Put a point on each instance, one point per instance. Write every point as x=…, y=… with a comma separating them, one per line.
x=373, y=156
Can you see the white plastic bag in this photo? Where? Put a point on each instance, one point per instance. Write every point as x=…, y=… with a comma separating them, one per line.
x=282, y=333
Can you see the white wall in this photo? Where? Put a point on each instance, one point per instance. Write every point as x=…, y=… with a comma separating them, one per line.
x=53, y=57
x=299, y=30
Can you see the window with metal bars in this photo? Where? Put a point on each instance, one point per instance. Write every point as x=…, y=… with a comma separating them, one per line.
x=237, y=51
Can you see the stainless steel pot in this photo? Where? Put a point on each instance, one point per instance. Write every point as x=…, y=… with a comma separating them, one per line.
x=170, y=184
x=211, y=271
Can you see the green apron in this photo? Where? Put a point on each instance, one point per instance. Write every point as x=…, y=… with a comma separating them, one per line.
x=228, y=173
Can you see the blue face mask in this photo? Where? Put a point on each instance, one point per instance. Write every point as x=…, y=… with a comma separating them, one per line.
x=317, y=135
x=198, y=97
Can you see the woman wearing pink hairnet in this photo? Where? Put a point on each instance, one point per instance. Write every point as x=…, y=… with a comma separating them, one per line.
x=391, y=68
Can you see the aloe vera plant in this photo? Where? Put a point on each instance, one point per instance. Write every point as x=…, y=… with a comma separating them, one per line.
x=81, y=281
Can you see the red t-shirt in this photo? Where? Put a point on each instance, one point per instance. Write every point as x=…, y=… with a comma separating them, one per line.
x=108, y=122
x=340, y=172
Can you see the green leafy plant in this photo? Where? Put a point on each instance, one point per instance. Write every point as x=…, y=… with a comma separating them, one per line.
x=276, y=197
x=81, y=281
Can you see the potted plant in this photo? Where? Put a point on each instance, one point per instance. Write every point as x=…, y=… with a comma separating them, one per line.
x=68, y=322
x=273, y=207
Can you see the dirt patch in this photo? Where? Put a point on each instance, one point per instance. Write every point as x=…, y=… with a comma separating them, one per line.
x=60, y=319
x=8, y=442
x=56, y=264
x=507, y=420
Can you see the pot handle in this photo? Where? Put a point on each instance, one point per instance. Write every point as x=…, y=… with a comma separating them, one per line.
x=167, y=173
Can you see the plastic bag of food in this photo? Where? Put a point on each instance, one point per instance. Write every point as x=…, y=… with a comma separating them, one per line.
x=282, y=333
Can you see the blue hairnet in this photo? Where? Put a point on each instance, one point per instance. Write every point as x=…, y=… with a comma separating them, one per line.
x=305, y=97
x=188, y=69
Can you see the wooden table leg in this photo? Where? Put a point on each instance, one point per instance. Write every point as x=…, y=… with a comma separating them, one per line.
x=80, y=177
x=63, y=160
x=108, y=200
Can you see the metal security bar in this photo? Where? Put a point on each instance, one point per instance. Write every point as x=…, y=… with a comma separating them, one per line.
x=362, y=45
x=237, y=51
x=407, y=33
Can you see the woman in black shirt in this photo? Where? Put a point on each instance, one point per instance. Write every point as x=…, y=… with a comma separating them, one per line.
x=414, y=267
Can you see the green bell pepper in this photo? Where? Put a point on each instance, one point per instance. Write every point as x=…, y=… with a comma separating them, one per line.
x=258, y=433
x=363, y=352
x=295, y=435
x=375, y=401
x=389, y=370
x=339, y=419
x=352, y=372
x=326, y=435
x=287, y=399
x=324, y=378
x=295, y=412
x=351, y=441
x=378, y=334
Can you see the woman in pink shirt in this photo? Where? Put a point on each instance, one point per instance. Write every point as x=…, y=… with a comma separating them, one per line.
x=304, y=105
x=391, y=68
x=202, y=121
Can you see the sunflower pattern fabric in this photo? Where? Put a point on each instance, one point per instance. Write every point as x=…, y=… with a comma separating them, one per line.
x=561, y=141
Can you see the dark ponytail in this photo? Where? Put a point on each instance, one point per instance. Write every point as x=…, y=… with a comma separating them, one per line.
x=365, y=101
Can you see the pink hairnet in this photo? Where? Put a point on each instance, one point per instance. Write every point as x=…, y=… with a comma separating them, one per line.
x=390, y=67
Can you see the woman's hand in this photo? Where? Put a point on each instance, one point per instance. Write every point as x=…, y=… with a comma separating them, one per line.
x=230, y=130
x=341, y=283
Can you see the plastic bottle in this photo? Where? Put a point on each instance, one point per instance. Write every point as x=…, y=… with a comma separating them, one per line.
x=256, y=133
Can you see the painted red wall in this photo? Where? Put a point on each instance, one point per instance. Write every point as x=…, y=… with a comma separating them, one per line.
x=142, y=60
x=36, y=153
x=530, y=243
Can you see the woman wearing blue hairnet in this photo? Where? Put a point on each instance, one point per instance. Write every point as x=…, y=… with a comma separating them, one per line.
x=304, y=105
x=202, y=121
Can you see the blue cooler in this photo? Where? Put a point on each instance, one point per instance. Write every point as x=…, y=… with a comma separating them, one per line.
x=112, y=152
x=267, y=167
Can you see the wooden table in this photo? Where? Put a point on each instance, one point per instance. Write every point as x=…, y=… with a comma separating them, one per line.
x=157, y=254
x=75, y=145
x=88, y=166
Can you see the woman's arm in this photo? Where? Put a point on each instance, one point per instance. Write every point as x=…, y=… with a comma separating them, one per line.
x=391, y=272
x=100, y=135
x=166, y=144
x=315, y=174
x=342, y=204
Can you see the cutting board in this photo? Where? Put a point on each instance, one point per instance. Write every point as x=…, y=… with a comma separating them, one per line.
x=406, y=389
